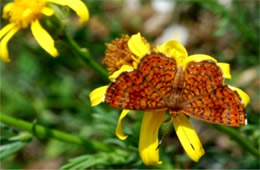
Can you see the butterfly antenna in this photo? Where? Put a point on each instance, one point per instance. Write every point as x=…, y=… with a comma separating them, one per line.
x=165, y=132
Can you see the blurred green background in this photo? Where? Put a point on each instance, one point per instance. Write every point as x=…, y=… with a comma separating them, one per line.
x=54, y=91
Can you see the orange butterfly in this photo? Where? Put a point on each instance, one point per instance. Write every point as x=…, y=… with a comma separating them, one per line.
x=198, y=90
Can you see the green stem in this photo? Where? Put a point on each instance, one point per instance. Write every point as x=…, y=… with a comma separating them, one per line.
x=84, y=54
x=239, y=139
x=43, y=132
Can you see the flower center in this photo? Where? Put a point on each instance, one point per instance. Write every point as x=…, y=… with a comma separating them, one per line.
x=24, y=12
x=117, y=54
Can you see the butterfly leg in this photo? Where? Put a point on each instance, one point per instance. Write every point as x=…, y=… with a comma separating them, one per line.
x=173, y=113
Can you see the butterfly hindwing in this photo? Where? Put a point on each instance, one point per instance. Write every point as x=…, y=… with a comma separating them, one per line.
x=222, y=106
x=130, y=91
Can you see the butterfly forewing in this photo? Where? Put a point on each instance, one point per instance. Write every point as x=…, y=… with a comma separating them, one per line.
x=159, y=71
x=201, y=78
x=144, y=88
x=207, y=99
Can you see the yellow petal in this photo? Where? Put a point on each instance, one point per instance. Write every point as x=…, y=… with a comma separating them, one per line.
x=97, y=96
x=43, y=38
x=6, y=29
x=76, y=5
x=3, y=44
x=197, y=58
x=148, y=141
x=244, y=97
x=47, y=11
x=137, y=45
x=225, y=68
x=188, y=137
x=26, y=13
x=7, y=9
x=135, y=65
x=119, y=130
x=173, y=49
x=124, y=68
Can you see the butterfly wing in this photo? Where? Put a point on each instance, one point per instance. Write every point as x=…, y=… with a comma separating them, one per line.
x=159, y=71
x=206, y=97
x=201, y=78
x=144, y=88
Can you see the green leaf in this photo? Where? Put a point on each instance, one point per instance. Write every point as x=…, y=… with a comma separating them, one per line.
x=11, y=148
x=12, y=141
x=99, y=160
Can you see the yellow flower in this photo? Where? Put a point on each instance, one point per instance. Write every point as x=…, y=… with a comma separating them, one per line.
x=152, y=120
x=24, y=13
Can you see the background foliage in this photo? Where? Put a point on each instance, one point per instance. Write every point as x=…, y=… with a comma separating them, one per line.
x=54, y=92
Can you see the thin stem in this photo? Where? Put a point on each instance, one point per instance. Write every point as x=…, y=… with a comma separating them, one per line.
x=239, y=139
x=84, y=54
x=43, y=132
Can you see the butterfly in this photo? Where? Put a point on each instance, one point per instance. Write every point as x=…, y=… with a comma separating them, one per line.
x=159, y=83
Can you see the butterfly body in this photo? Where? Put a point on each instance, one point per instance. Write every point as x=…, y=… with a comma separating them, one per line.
x=175, y=100
x=159, y=83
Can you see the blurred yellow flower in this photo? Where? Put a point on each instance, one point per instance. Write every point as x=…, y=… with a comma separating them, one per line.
x=24, y=13
x=153, y=119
